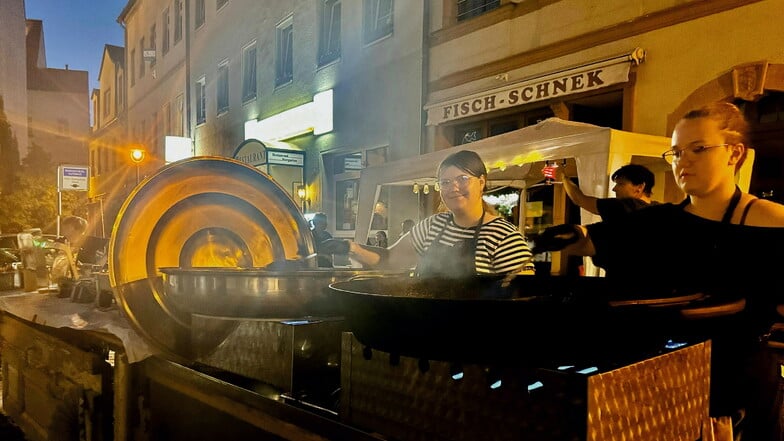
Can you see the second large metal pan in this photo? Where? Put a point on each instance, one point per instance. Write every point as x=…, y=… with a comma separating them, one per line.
x=529, y=319
x=258, y=293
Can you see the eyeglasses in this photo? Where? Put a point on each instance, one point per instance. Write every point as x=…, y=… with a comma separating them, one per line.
x=461, y=181
x=674, y=155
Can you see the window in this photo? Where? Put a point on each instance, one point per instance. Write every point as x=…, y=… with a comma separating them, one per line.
x=249, y=72
x=133, y=67
x=223, y=87
x=378, y=19
x=177, y=20
x=345, y=170
x=166, y=114
x=200, y=13
x=471, y=8
x=329, y=38
x=107, y=101
x=155, y=132
x=165, y=36
x=152, y=44
x=284, y=63
x=220, y=3
x=201, y=100
x=141, y=57
x=120, y=86
x=178, y=109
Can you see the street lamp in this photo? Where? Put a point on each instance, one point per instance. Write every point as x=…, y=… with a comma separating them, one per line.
x=137, y=156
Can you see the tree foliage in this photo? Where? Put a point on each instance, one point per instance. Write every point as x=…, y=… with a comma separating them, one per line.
x=32, y=200
x=9, y=152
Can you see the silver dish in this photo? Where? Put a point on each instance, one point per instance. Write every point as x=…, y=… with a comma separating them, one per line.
x=259, y=293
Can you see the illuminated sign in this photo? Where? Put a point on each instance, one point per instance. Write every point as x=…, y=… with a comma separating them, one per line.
x=177, y=148
x=315, y=116
x=529, y=91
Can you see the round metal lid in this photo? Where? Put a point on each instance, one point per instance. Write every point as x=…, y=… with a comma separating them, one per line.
x=202, y=211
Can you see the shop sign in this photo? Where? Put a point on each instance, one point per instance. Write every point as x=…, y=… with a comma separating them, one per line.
x=352, y=163
x=73, y=177
x=556, y=85
x=252, y=152
x=285, y=158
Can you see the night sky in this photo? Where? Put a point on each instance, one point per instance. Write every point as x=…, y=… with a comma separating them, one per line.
x=75, y=31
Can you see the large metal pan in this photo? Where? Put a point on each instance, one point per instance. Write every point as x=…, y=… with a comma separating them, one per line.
x=530, y=320
x=201, y=211
x=257, y=292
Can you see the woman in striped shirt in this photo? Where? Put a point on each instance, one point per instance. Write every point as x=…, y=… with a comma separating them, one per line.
x=466, y=240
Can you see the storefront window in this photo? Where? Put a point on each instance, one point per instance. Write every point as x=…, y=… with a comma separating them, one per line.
x=346, y=193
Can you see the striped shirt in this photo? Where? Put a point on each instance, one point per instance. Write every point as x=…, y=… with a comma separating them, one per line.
x=500, y=247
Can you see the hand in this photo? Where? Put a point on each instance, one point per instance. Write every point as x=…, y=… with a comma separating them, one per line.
x=557, y=238
x=333, y=246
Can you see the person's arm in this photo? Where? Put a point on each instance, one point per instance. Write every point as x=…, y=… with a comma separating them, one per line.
x=400, y=255
x=570, y=238
x=577, y=196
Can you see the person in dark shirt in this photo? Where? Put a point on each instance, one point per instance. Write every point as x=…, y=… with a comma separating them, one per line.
x=320, y=234
x=719, y=243
x=633, y=188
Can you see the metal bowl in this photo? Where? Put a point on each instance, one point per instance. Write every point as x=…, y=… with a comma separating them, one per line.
x=258, y=293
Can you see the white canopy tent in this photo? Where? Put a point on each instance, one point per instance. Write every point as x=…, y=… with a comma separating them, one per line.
x=596, y=151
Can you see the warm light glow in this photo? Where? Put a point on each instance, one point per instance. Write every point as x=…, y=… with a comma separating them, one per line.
x=315, y=116
x=137, y=155
x=416, y=188
x=301, y=192
x=426, y=189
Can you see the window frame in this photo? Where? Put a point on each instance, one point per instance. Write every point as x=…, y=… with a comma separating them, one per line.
x=222, y=87
x=331, y=18
x=133, y=67
x=178, y=23
x=107, y=98
x=153, y=40
x=284, y=52
x=372, y=15
x=165, y=24
x=249, y=80
x=120, y=87
x=482, y=7
x=201, y=100
x=200, y=14
x=141, y=58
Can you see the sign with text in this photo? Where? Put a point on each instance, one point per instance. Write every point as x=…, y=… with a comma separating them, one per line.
x=524, y=92
x=285, y=158
x=73, y=178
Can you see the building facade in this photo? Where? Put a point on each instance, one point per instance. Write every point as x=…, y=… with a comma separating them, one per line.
x=327, y=87
x=112, y=176
x=497, y=65
x=58, y=118
x=13, y=76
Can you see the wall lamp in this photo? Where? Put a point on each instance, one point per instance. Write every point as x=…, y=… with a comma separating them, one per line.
x=302, y=193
